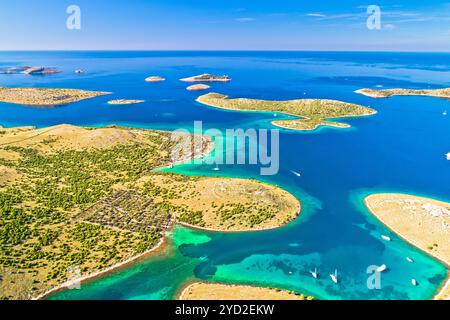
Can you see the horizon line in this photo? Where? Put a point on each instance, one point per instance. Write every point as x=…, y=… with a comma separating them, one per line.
x=218, y=50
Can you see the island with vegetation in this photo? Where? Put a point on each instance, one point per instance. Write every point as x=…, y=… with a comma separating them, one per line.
x=207, y=78
x=386, y=93
x=155, y=79
x=45, y=97
x=312, y=112
x=217, y=291
x=91, y=200
x=198, y=87
x=423, y=222
x=125, y=101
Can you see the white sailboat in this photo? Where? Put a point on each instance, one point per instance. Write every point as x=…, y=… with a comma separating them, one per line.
x=216, y=168
x=409, y=259
x=448, y=156
x=314, y=273
x=334, y=277
x=298, y=174
x=386, y=238
x=382, y=268
x=414, y=282
x=444, y=113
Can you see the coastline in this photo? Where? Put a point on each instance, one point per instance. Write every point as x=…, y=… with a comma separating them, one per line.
x=446, y=283
x=160, y=246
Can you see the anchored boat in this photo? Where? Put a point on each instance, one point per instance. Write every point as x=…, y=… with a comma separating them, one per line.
x=382, y=268
x=334, y=277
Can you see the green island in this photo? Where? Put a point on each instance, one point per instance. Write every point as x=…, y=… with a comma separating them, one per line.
x=386, y=93
x=90, y=199
x=313, y=112
x=46, y=97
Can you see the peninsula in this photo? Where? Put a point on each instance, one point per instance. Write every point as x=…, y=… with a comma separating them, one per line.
x=313, y=112
x=90, y=198
x=386, y=93
x=45, y=97
x=216, y=291
x=125, y=101
x=423, y=222
x=207, y=78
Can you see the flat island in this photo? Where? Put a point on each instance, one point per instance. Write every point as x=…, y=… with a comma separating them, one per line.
x=421, y=221
x=198, y=87
x=313, y=112
x=45, y=97
x=155, y=79
x=30, y=70
x=386, y=93
x=207, y=78
x=125, y=101
x=216, y=291
x=91, y=199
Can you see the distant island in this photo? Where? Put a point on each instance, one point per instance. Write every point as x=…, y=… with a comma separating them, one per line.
x=421, y=221
x=45, y=96
x=155, y=79
x=91, y=198
x=386, y=93
x=207, y=78
x=30, y=70
x=125, y=101
x=217, y=291
x=198, y=87
x=314, y=112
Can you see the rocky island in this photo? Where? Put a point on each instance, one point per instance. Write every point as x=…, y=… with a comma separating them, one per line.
x=313, y=112
x=207, y=78
x=124, y=101
x=216, y=291
x=30, y=70
x=45, y=97
x=423, y=222
x=198, y=87
x=72, y=196
x=386, y=93
x=155, y=79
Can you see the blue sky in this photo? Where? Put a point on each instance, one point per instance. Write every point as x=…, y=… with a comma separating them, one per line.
x=414, y=25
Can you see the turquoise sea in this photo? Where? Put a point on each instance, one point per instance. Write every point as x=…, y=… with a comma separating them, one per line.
x=400, y=149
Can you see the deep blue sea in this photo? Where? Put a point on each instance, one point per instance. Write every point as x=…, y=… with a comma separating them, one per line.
x=400, y=149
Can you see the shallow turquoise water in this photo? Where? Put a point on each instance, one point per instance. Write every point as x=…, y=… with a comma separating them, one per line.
x=400, y=149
